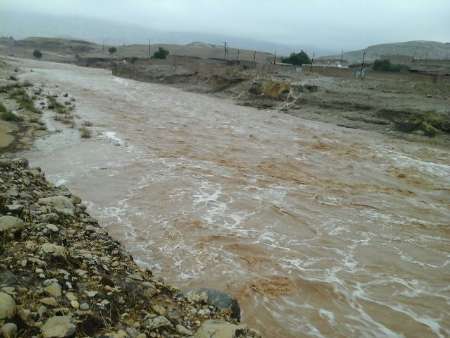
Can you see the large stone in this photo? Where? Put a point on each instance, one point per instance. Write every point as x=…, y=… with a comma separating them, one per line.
x=220, y=329
x=60, y=204
x=53, y=249
x=52, y=227
x=58, y=327
x=7, y=306
x=54, y=290
x=50, y=301
x=11, y=223
x=157, y=323
x=9, y=330
x=7, y=278
x=183, y=331
x=219, y=299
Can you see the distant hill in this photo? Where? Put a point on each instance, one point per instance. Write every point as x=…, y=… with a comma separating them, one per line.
x=25, y=24
x=411, y=49
x=60, y=49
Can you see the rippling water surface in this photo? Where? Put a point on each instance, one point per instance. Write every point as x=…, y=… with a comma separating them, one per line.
x=319, y=231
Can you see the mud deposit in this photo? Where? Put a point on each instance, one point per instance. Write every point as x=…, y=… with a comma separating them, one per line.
x=319, y=231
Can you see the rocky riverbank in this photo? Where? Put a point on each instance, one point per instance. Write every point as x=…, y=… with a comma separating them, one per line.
x=61, y=275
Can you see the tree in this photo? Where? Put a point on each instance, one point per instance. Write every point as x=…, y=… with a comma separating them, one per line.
x=161, y=53
x=297, y=59
x=37, y=54
x=112, y=50
x=387, y=66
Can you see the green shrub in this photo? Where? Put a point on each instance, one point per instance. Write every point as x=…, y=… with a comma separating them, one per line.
x=85, y=132
x=37, y=54
x=2, y=108
x=9, y=116
x=161, y=53
x=24, y=100
x=297, y=59
x=112, y=50
x=387, y=66
x=428, y=123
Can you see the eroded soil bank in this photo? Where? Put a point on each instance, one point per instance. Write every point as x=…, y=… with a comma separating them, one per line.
x=317, y=230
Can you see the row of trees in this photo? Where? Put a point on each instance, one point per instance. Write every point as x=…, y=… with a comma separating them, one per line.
x=161, y=53
x=302, y=58
x=387, y=66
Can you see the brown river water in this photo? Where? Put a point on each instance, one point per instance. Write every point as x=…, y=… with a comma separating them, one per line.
x=319, y=231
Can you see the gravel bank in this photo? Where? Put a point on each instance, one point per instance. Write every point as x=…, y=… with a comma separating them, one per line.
x=61, y=275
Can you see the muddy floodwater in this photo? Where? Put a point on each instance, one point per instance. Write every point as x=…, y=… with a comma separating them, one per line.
x=319, y=231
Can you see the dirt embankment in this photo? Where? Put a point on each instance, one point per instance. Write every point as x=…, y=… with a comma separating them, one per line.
x=405, y=105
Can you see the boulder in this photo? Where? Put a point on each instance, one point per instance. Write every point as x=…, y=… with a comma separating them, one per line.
x=11, y=224
x=53, y=249
x=9, y=330
x=54, y=290
x=50, y=301
x=7, y=306
x=219, y=299
x=158, y=322
x=52, y=227
x=7, y=278
x=60, y=204
x=58, y=327
x=183, y=331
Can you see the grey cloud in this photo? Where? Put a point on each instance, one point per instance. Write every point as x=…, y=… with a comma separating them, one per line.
x=330, y=24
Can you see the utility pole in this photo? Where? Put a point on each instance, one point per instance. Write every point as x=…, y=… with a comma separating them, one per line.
x=275, y=57
x=225, y=53
x=149, y=49
x=363, y=63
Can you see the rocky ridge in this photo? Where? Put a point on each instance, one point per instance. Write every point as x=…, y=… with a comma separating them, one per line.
x=62, y=275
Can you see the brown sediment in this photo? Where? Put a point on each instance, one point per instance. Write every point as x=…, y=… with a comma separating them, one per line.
x=275, y=286
x=227, y=209
x=78, y=270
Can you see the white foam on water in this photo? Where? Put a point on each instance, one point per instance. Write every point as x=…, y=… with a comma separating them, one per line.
x=328, y=315
x=60, y=181
x=113, y=138
x=121, y=81
x=402, y=160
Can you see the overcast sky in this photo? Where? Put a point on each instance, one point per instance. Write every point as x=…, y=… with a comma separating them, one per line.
x=324, y=23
